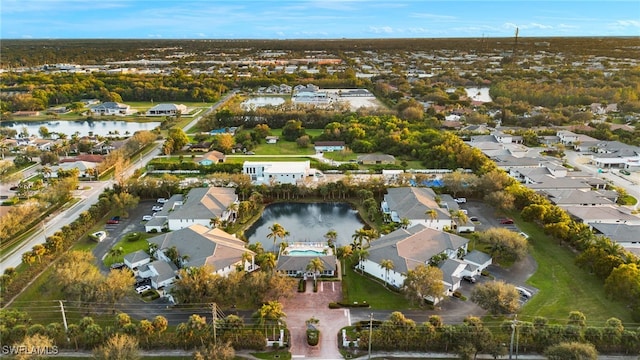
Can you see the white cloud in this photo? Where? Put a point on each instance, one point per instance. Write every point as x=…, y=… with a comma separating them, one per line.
x=381, y=29
x=628, y=23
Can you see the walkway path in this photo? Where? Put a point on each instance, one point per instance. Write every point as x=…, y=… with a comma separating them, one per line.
x=303, y=306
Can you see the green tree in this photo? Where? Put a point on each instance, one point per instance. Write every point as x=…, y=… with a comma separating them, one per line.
x=179, y=138
x=423, y=282
x=270, y=313
x=386, y=265
x=504, y=244
x=571, y=351
x=331, y=236
x=316, y=266
x=497, y=297
x=118, y=347
x=35, y=341
x=277, y=231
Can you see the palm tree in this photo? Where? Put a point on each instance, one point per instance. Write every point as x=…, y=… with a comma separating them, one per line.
x=358, y=236
x=344, y=252
x=269, y=261
x=404, y=223
x=116, y=251
x=277, y=231
x=233, y=209
x=270, y=312
x=316, y=266
x=386, y=265
x=361, y=254
x=432, y=214
x=214, y=222
x=331, y=237
x=46, y=172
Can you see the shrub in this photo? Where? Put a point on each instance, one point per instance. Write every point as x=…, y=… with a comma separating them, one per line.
x=349, y=305
x=302, y=285
x=334, y=305
x=457, y=294
x=313, y=337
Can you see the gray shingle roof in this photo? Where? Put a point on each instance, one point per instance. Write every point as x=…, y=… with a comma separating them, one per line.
x=204, y=246
x=205, y=203
x=408, y=248
x=414, y=202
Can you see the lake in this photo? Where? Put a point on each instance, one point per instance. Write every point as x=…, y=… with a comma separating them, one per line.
x=83, y=127
x=306, y=223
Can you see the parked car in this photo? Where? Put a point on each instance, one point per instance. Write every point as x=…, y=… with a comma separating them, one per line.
x=474, y=218
x=162, y=200
x=469, y=278
x=143, y=288
x=114, y=220
x=523, y=234
x=117, y=266
x=157, y=208
x=99, y=236
x=249, y=153
x=506, y=221
x=624, y=172
x=523, y=292
x=460, y=200
x=147, y=217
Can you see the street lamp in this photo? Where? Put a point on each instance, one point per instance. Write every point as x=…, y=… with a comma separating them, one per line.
x=370, y=332
x=514, y=331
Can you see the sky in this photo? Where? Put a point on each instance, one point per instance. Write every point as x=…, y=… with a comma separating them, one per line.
x=313, y=19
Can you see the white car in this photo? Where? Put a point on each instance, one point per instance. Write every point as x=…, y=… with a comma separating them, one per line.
x=157, y=208
x=523, y=292
x=162, y=200
x=143, y=288
x=147, y=217
x=524, y=235
x=460, y=200
x=99, y=236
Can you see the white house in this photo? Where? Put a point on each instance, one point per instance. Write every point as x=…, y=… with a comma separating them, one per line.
x=167, y=110
x=199, y=245
x=85, y=168
x=408, y=248
x=136, y=259
x=200, y=206
x=111, y=108
x=416, y=204
x=161, y=272
x=278, y=172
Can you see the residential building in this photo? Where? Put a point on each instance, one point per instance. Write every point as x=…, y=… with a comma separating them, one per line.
x=376, y=159
x=277, y=172
x=416, y=204
x=329, y=146
x=295, y=258
x=136, y=259
x=111, y=108
x=200, y=206
x=167, y=110
x=212, y=158
x=418, y=245
x=199, y=245
x=161, y=272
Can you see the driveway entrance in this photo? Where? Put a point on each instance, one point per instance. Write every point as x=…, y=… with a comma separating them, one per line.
x=303, y=306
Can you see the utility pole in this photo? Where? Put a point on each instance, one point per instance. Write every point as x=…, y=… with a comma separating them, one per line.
x=214, y=312
x=514, y=327
x=370, y=332
x=64, y=319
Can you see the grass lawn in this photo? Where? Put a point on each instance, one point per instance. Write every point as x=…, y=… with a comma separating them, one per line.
x=283, y=148
x=356, y=287
x=242, y=159
x=311, y=132
x=129, y=243
x=564, y=287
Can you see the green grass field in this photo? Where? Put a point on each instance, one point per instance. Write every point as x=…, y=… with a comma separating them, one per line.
x=128, y=246
x=283, y=148
x=564, y=287
x=357, y=287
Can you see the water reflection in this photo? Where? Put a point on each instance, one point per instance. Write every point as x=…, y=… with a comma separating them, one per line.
x=306, y=222
x=82, y=127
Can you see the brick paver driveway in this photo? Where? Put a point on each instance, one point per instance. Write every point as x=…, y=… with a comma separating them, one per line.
x=302, y=306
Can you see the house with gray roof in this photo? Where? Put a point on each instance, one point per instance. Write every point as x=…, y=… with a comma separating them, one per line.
x=198, y=245
x=623, y=234
x=417, y=245
x=136, y=259
x=201, y=205
x=111, y=108
x=167, y=110
x=161, y=272
x=416, y=204
x=602, y=214
x=573, y=197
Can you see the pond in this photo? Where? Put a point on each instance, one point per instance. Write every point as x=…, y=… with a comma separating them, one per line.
x=259, y=101
x=306, y=223
x=82, y=127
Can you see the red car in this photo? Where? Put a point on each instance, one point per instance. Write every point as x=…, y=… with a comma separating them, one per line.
x=506, y=221
x=113, y=221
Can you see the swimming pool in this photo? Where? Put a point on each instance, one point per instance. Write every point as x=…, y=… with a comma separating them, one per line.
x=305, y=253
